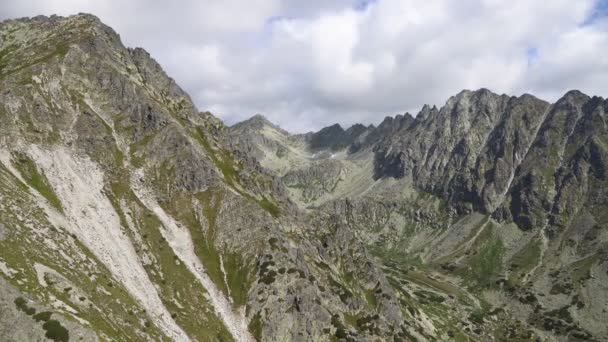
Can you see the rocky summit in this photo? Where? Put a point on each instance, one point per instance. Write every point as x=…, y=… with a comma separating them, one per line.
x=128, y=215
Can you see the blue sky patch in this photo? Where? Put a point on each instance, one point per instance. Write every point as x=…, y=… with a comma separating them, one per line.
x=362, y=5
x=532, y=54
x=600, y=10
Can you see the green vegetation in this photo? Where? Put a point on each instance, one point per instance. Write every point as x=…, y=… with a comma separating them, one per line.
x=175, y=280
x=273, y=242
x=204, y=245
x=43, y=316
x=270, y=207
x=229, y=168
x=239, y=278
x=135, y=149
x=255, y=327
x=430, y=296
x=4, y=55
x=524, y=261
x=267, y=274
x=22, y=306
x=478, y=316
x=487, y=264
x=364, y=323
x=341, y=331
x=484, y=258
x=222, y=159
x=62, y=49
x=34, y=178
x=23, y=250
x=371, y=298
x=239, y=274
x=55, y=331
x=59, y=50
x=350, y=319
x=339, y=289
x=581, y=271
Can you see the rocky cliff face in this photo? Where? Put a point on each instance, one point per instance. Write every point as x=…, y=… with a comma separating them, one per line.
x=127, y=214
x=468, y=150
x=501, y=197
x=482, y=149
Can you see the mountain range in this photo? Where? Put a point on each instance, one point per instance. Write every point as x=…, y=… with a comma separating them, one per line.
x=126, y=214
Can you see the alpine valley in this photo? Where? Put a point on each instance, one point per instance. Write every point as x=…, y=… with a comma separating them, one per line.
x=128, y=215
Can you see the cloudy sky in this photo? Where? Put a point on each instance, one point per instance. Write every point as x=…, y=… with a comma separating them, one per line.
x=307, y=64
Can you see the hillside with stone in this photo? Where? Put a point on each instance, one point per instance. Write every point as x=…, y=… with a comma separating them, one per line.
x=127, y=214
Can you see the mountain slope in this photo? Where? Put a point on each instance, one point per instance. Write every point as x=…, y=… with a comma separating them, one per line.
x=128, y=215
x=503, y=197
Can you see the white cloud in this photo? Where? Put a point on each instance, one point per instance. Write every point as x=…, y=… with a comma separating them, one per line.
x=306, y=64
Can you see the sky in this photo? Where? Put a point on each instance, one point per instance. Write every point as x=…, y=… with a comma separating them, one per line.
x=309, y=64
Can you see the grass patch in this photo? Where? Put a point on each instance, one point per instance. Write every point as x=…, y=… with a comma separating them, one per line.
x=229, y=168
x=60, y=50
x=21, y=304
x=270, y=207
x=350, y=319
x=239, y=277
x=582, y=269
x=23, y=248
x=478, y=316
x=204, y=245
x=136, y=149
x=524, y=261
x=222, y=159
x=487, y=264
x=36, y=179
x=44, y=316
x=176, y=283
x=255, y=327
x=370, y=298
x=55, y=331
x=341, y=331
x=484, y=259
x=239, y=273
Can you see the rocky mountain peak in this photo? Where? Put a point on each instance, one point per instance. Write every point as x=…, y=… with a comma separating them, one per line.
x=257, y=123
x=426, y=112
x=259, y=120
x=327, y=138
x=572, y=97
